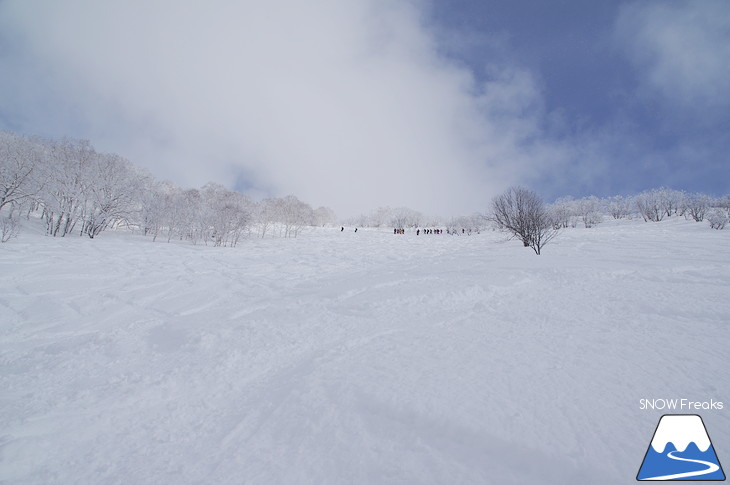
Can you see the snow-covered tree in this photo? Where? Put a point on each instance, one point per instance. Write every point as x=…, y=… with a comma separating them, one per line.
x=268, y=215
x=473, y=223
x=227, y=214
x=589, y=211
x=67, y=185
x=9, y=228
x=380, y=217
x=650, y=205
x=77, y=187
x=718, y=218
x=563, y=212
x=294, y=215
x=20, y=170
x=111, y=188
x=324, y=216
x=696, y=206
x=671, y=201
x=404, y=217
x=724, y=203
x=150, y=210
x=619, y=207
x=192, y=218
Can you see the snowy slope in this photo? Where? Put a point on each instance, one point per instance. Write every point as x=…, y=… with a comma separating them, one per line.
x=357, y=358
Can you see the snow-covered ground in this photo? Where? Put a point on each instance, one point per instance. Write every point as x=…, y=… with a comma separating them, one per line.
x=357, y=358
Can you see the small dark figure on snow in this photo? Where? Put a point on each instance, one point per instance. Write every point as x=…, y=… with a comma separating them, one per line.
x=342, y=229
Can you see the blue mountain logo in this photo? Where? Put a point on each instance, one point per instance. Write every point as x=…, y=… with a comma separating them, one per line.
x=680, y=450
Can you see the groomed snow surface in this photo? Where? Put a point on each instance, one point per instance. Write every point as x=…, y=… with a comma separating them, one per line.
x=367, y=358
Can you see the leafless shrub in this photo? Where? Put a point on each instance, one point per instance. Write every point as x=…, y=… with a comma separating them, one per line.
x=619, y=207
x=717, y=219
x=521, y=212
x=650, y=206
x=696, y=206
x=9, y=228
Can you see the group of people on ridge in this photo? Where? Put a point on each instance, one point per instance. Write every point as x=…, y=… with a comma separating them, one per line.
x=431, y=231
x=419, y=231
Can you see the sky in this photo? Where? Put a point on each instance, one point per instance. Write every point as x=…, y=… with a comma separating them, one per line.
x=436, y=105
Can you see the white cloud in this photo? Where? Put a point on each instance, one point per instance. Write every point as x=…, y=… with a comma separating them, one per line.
x=343, y=103
x=681, y=51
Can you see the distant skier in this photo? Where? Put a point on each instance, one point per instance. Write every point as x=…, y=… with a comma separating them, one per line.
x=356, y=229
x=342, y=229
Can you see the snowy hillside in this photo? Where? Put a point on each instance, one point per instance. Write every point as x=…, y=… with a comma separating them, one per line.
x=342, y=357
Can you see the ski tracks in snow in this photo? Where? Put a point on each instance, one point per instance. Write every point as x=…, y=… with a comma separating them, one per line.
x=352, y=358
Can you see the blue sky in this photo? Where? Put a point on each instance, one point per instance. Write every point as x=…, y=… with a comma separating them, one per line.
x=597, y=63
x=566, y=44
x=433, y=104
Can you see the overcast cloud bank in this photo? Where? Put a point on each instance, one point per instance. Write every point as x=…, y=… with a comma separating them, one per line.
x=350, y=104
